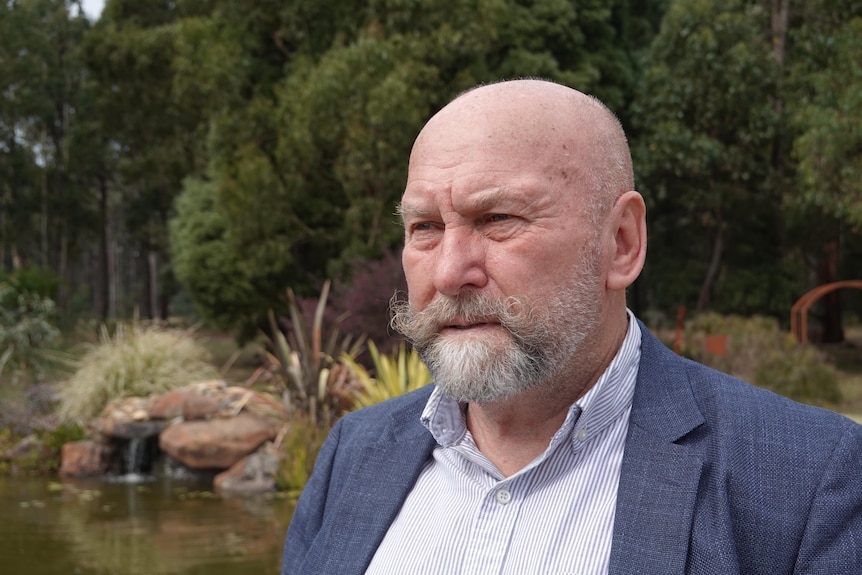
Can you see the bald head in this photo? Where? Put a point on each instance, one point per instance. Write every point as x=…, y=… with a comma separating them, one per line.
x=576, y=137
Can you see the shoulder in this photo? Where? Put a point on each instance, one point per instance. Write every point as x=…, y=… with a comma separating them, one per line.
x=714, y=402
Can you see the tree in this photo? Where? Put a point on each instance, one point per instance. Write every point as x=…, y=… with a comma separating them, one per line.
x=826, y=115
x=706, y=118
x=313, y=118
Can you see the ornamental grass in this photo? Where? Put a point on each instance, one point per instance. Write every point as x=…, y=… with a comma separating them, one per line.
x=135, y=361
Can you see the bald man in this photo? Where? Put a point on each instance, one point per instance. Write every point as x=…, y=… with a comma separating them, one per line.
x=560, y=436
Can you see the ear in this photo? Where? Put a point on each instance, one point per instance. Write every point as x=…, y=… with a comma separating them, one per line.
x=627, y=222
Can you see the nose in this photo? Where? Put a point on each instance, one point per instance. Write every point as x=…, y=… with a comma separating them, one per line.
x=460, y=262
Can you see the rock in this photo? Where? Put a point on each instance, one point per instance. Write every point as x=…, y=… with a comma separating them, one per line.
x=217, y=443
x=199, y=401
x=125, y=429
x=238, y=399
x=84, y=459
x=124, y=409
x=30, y=446
x=169, y=405
x=255, y=473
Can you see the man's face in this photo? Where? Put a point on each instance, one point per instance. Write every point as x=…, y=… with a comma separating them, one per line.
x=504, y=275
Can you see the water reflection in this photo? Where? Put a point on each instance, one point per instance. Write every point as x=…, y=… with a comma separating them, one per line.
x=162, y=527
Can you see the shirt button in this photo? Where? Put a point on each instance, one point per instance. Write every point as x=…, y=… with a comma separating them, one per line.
x=582, y=435
x=503, y=496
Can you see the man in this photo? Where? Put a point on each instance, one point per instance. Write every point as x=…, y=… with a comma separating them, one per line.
x=560, y=436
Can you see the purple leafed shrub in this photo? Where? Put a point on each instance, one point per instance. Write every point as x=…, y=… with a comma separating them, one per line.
x=365, y=295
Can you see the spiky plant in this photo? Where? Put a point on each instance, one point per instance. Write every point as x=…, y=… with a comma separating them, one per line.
x=394, y=375
x=303, y=360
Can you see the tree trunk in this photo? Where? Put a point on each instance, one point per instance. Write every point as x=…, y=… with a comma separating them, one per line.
x=779, y=18
x=714, y=264
x=107, y=301
x=827, y=271
x=152, y=277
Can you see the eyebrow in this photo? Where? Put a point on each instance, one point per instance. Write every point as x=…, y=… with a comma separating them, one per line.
x=482, y=201
x=405, y=210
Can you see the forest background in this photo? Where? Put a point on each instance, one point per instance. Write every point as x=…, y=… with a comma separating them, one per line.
x=199, y=157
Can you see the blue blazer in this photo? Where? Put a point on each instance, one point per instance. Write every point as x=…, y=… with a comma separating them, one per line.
x=718, y=478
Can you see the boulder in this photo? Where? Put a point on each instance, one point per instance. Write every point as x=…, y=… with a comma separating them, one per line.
x=198, y=401
x=255, y=473
x=217, y=443
x=85, y=459
x=123, y=429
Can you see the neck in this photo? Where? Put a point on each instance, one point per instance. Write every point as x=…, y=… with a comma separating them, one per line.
x=513, y=432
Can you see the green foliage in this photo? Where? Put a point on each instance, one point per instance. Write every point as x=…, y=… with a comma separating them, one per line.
x=304, y=361
x=707, y=122
x=827, y=112
x=394, y=375
x=37, y=281
x=45, y=454
x=758, y=351
x=137, y=360
x=301, y=444
x=313, y=106
x=802, y=373
x=224, y=287
x=26, y=331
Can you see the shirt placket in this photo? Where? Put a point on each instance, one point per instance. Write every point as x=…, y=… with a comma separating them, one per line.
x=492, y=530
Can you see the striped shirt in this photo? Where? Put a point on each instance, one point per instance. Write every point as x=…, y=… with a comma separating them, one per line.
x=555, y=516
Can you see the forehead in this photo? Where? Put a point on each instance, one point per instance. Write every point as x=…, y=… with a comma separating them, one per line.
x=475, y=170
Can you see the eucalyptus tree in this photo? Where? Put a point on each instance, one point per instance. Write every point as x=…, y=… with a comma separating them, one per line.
x=150, y=138
x=42, y=212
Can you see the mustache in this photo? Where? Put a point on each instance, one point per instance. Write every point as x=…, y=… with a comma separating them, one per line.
x=423, y=327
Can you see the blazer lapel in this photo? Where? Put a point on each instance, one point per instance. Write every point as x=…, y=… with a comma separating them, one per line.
x=659, y=478
x=376, y=487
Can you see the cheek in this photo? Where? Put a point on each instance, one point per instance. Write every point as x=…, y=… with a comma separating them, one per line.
x=417, y=272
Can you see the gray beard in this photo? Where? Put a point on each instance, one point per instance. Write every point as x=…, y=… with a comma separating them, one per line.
x=544, y=337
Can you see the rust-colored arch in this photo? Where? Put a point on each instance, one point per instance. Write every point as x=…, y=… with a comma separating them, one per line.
x=799, y=311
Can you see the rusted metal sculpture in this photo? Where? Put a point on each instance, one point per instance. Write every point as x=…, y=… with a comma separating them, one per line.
x=799, y=311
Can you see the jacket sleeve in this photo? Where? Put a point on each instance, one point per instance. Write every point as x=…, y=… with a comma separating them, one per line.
x=832, y=542
x=311, y=507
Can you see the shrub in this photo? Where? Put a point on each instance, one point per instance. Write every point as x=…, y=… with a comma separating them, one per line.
x=303, y=360
x=363, y=298
x=41, y=282
x=26, y=331
x=138, y=360
x=394, y=375
x=758, y=351
x=802, y=373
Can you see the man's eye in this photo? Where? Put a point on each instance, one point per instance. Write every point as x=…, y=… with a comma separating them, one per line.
x=423, y=226
x=498, y=217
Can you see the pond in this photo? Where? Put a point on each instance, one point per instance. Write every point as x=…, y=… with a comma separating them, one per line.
x=122, y=527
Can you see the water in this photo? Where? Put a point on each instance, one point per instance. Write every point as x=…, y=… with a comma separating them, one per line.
x=130, y=527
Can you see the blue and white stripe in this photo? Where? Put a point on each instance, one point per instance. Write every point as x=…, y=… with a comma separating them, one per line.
x=554, y=516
